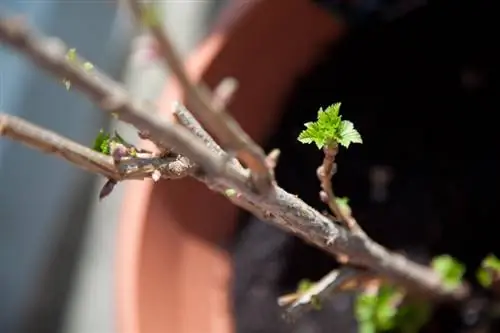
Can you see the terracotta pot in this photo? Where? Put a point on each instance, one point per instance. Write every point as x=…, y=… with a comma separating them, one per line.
x=173, y=273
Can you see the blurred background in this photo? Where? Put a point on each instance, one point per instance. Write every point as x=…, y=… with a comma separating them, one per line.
x=56, y=240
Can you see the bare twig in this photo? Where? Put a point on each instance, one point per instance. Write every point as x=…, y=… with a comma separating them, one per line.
x=346, y=278
x=278, y=207
x=199, y=99
x=224, y=92
x=186, y=119
x=325, y=174
x=49, y=142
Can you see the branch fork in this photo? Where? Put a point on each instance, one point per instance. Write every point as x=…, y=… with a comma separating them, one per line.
x=209, y=107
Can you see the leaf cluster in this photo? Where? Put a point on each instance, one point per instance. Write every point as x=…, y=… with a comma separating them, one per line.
x=330, y=129
x=382, y=312
x=385, y=310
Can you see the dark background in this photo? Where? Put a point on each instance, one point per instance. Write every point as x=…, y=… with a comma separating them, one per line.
x=422, y=89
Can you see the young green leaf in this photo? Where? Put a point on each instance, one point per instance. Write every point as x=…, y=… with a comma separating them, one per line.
x=87, y=66
x=329, y=128
x=367, y=327
x=343, y=204
x=377, y=311
x=311, y=134
x=386, y=308
x=71, y=55
x=348, y=134
x=491, y=261
x=101, y=142
x=316, y=303
x=304, y=285
x=365, y=307
x=450, y=270
x=412, y=316
x=230, y=192
x=488, y=271
x=484, y=277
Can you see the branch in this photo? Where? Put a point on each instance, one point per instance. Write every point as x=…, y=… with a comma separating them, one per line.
x=186, y=119
x=278, y=207
x=50, y=54
x=325, y=173
x=85, y=158
x=199, y=99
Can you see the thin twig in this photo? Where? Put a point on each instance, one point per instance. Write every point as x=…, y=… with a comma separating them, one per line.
x=41, y=139
x=346, y=278
x=186, y=119
x=224, y=92
x=325, y=173
x=217, y=120
x=282, y=209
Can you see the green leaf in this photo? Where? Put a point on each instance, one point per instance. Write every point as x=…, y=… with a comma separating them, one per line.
x=365, y=306
x=348, y=134
x=449, y=269
x=329, y=128
x=489, y=269
x=316, y=303
x=412, y=316
x=304, y=285
x=104, y=141
x=71, y=55
x=101, y=142
x=230, y=192
x=367, y=327
x=311, y=134
x=133, y=151
x=342, y=201
x=484, y=277
x=343, y=204
x=491, y=261
x=374, y=312
x=386, y=309
x=330, y=118
x=87, y=66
